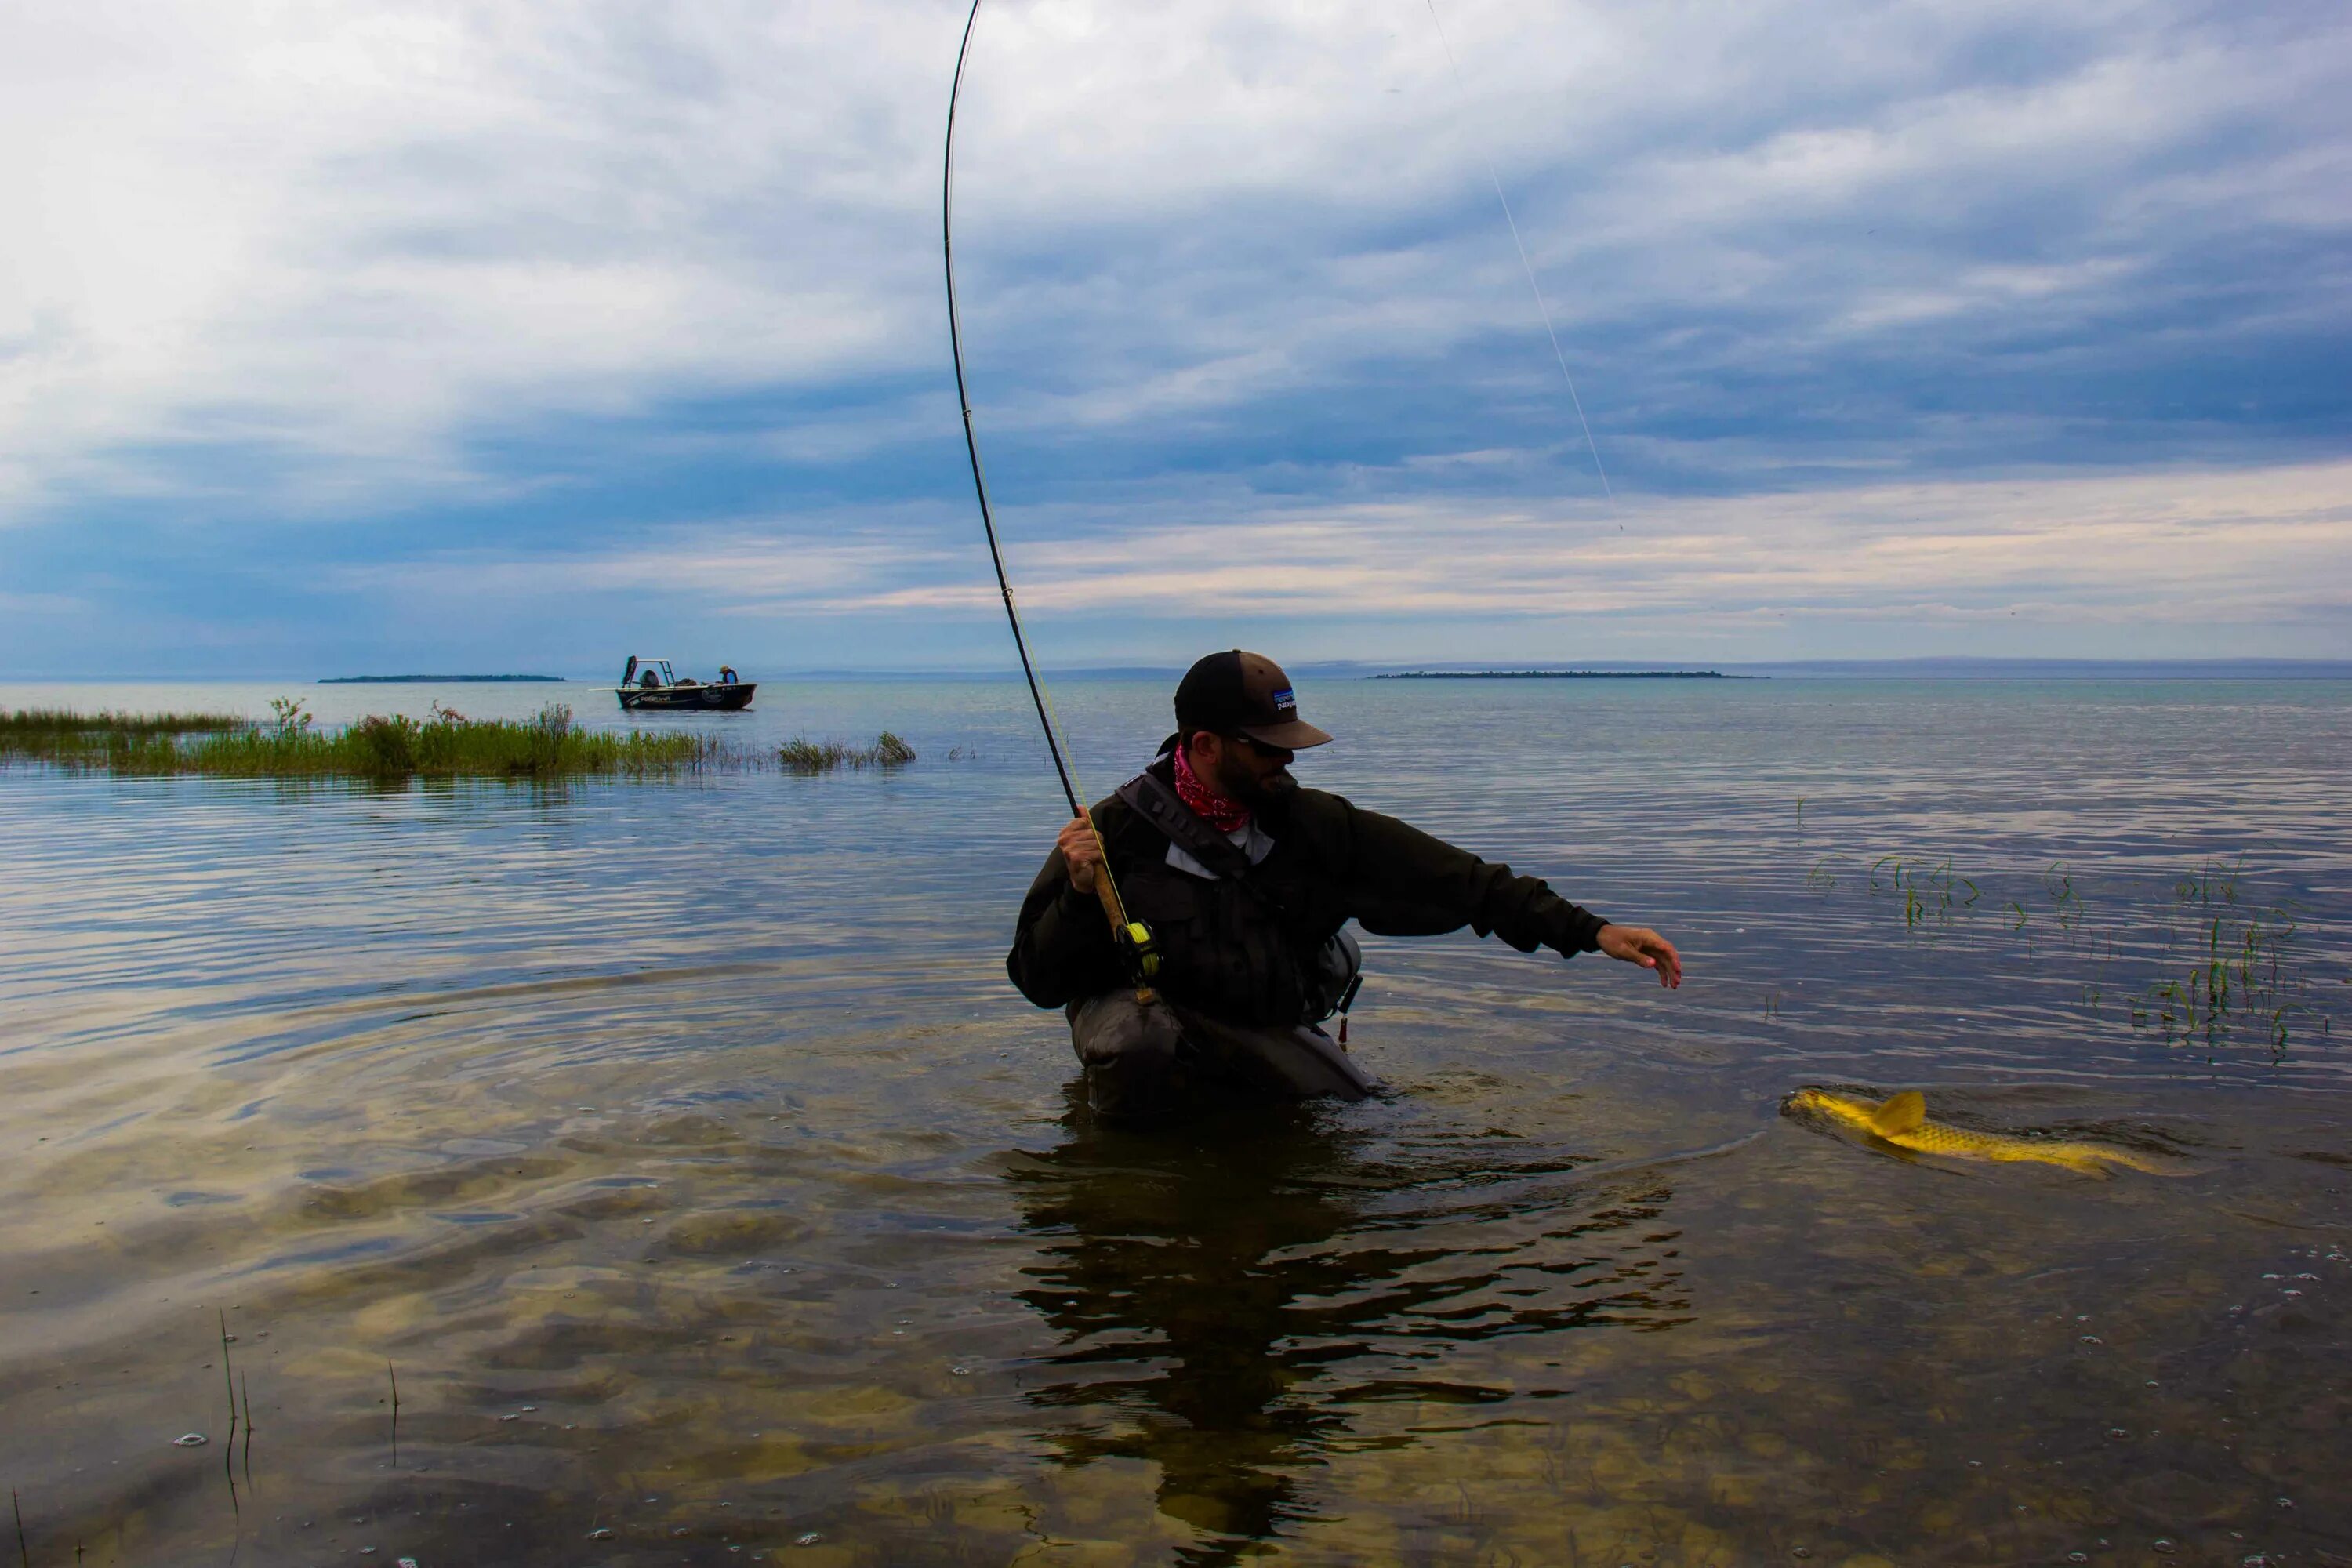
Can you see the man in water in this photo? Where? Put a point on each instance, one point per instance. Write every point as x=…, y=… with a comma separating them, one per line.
x=1246, y=879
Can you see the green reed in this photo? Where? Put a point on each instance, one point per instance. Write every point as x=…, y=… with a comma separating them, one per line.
x=802, y=755
x=447, y=745
x=58, y=735
x=1927, y=892
x=34, y=722
x=2239, y=968
x=2237, y=975
x=2224, y=968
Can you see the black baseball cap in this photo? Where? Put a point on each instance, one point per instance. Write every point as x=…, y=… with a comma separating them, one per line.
x=1237, y=693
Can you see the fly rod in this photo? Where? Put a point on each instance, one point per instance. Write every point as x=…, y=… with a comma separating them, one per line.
x=1133, y=938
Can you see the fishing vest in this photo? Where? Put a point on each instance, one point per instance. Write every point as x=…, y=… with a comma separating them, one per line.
x=1238, y=944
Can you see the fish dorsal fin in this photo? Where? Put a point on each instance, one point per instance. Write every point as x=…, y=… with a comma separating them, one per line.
x=1901, y=1113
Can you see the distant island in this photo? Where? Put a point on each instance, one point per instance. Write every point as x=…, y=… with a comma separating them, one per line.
x=1561, y=675
x=397, y=680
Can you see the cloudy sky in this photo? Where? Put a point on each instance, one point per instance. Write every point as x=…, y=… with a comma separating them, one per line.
x=353, y=337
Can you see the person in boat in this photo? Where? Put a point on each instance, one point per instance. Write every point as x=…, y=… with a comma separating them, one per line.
x=1245, y=879
x=726, y=674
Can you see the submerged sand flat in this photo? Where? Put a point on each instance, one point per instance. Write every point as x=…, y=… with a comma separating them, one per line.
x=681, y=1148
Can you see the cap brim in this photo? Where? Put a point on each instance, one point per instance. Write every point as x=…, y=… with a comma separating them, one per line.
x=1294, y=736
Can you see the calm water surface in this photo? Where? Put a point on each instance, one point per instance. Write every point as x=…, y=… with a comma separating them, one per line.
x=711, y=1197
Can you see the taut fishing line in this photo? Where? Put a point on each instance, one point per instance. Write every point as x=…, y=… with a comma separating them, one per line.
x=1461, y=92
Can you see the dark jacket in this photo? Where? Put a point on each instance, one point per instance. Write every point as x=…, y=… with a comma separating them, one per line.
x=1244, y=949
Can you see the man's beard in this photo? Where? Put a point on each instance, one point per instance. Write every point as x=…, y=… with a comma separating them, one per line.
x=1257, y=793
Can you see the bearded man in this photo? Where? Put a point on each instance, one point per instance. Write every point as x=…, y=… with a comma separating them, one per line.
x=1246, y=881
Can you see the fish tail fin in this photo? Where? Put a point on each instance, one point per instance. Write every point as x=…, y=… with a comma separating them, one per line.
x=1900, y=1113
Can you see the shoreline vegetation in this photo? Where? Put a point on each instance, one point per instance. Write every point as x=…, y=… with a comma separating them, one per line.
x=801, y=755
x=1563, y=675
x=447, y=745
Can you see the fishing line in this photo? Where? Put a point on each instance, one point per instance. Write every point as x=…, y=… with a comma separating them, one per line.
x=1543, y=307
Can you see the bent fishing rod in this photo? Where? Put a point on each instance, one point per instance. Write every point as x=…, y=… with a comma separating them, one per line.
x=1134, y=939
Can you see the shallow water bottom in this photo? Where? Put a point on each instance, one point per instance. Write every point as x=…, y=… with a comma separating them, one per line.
x=1483, y=1320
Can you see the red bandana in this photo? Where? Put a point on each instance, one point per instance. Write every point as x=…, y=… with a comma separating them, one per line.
x=1210, y=807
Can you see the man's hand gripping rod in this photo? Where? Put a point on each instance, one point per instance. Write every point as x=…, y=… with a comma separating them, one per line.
x=1132, y=937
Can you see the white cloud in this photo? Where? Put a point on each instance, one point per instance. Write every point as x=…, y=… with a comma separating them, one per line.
x=311, y=253
x=351, y=234
x=2234, y=546
x=737, y=569
x=2185, y=548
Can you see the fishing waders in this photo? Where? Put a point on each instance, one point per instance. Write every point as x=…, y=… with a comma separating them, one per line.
x=1144, y=1057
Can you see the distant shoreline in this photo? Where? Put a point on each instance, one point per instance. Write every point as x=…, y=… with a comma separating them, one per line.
x=412, y=679
x=1564, y=675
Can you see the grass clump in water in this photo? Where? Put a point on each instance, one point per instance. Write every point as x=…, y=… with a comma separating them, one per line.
x=35, y=723
x=86, y=740
x=802, y=755
x=447, y=745
x=2239, y=971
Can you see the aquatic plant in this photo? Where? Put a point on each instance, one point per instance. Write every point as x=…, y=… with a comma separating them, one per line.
x=2238, y=971
x=288, y=717
x=1935, y=891
x=83, y=740
x=802, y=755
x=2058, y=881
x=36, y=721
x=448, y=745
x=2221, y=969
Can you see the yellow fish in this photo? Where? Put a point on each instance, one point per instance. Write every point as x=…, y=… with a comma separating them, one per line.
x=1902, y=1120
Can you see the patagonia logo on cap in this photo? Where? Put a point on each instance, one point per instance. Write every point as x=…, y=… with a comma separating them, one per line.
x=1284, y=702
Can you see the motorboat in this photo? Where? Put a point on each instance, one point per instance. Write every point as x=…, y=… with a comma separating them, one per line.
x=648, y=685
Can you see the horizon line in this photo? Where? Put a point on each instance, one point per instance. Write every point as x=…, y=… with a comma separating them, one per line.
x=2308, y=667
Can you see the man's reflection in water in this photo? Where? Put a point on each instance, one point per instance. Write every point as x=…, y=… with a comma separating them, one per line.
x=1228, y=1292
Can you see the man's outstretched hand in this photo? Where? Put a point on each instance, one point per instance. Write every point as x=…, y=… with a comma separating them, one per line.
x=1639, y=944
